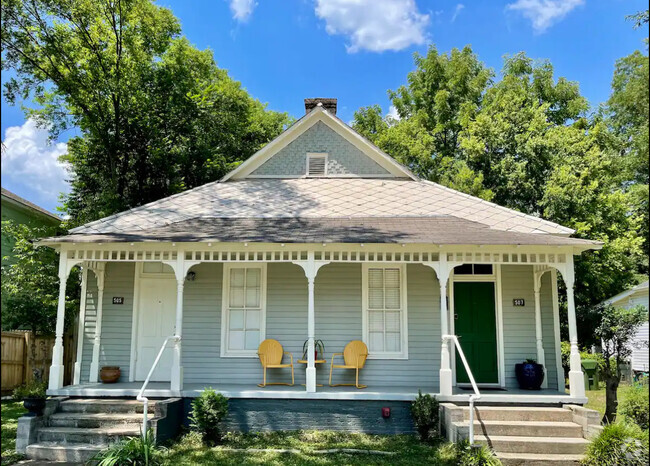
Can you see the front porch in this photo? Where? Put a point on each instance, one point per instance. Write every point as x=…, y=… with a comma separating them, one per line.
x=507, y=396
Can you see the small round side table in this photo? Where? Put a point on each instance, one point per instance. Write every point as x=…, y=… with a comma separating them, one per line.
x=317, y=361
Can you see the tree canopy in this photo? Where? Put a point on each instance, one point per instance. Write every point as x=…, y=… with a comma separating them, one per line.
x=154, y=115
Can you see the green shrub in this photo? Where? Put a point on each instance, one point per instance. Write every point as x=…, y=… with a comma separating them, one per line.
x=426, y=416
x=479, y=455
x=620, y=444
x=31, y=389
x=635, y=406
x=208, y=410
x=134, y=451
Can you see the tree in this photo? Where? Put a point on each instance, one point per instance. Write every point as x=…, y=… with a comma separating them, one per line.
x=616, y=329
x=155, y=115
x=30, y=284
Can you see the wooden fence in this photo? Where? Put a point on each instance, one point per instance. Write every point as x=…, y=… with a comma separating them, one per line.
x=22, y=354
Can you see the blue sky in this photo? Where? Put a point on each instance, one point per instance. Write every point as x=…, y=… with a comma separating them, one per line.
x=285, y=50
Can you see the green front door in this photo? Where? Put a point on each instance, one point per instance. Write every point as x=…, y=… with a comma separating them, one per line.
x=475, y=326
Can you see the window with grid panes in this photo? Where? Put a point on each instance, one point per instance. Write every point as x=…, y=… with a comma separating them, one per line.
x=385, y=312
x=244, y=310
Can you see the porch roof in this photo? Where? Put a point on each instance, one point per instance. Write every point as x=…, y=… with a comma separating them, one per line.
x=442, y=229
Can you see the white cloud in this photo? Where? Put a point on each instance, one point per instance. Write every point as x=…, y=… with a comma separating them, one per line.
x=374, y=25
x=242, y=9
x=392, y=113
x=29, y=160
x=544, y=13
x=457, y=11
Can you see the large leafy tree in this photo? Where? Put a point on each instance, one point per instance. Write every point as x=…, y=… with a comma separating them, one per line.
x=155, y=115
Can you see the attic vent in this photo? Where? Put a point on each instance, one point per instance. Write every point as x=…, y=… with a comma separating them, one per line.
x=316, y=164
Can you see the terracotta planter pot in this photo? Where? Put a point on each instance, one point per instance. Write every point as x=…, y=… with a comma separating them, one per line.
x=35, y=406
x=110, y=374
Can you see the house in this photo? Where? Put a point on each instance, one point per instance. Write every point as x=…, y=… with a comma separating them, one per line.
x=22, y=211
x=636, y=296
x=322, y=236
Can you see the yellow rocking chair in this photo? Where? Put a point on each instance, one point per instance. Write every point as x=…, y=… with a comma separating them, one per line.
x=354, y=357
x=271, y=353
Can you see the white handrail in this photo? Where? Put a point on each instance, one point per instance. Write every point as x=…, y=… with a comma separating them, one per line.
x=141, y=396
x=472, y=398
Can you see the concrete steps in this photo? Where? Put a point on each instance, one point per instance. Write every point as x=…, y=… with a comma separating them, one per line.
x=81, y=427
x=550, y=436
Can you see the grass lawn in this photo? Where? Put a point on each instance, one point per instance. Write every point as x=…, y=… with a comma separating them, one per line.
x=597, y=397
x=409, y=451
x=11, y=411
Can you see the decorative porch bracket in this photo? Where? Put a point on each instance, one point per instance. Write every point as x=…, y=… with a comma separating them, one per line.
x=443, y=269
x=99, y=269
x=180, y=266
x=56, y=369
x=310, y=267
x=538, y=273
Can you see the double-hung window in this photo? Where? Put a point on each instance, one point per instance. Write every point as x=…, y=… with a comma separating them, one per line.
x=243, y=317
x=384, y=311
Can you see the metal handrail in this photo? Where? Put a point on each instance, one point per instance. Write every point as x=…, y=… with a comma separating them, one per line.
x=141, y=396
x=472, y=398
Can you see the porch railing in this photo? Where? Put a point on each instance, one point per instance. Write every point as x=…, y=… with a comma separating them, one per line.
x=141, y=396
x=472, y=398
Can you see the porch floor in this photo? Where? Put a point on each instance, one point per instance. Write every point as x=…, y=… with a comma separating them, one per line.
x=392, y=393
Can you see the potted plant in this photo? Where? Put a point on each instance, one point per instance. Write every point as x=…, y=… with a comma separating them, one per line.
x=32, y=394
x=110, y=374
x=319, y=347
x=530, y=375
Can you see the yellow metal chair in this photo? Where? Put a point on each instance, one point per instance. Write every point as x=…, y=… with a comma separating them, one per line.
x=271, y=353
x=354, y=357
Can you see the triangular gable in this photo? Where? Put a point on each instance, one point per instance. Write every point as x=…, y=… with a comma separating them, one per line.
x=320, y=119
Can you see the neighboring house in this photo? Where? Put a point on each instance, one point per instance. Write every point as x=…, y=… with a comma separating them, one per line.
x=636, y=296
x=21, y=210
x=321, y=235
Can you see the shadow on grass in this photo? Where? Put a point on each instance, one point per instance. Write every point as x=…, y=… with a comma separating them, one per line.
x=11, y=411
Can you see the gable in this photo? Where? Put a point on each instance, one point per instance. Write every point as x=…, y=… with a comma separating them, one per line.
x=349, y=154
x=343, y=158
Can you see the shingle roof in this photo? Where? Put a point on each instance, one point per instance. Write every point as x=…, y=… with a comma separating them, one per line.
x=319, y=198
x=29, y=205
x=445, y=229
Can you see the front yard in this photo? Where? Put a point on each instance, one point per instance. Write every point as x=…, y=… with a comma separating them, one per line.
x=11, y=411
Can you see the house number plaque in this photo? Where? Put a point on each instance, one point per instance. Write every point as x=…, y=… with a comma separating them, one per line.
x=519, y=302
x=118, y=299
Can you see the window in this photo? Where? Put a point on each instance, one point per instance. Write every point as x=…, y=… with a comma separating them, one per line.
x=474, y=269
x=316, y=164
x=244, y=317
x=384, y=311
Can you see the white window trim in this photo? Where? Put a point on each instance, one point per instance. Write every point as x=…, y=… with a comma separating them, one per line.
x=404, y=354
x=225, y=314
x=314, y=155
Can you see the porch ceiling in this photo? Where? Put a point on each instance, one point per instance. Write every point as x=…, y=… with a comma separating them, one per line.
x=442, y=229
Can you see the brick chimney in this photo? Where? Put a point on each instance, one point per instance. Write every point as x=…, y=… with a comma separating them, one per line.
x=328, y=104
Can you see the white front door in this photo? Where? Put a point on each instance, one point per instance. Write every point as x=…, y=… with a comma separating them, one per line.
x=156, y=320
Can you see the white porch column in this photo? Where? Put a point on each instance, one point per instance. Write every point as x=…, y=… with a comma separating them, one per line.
x=443, y=269
x=76, y=378
x=56, y=369
x=541, y=357
x=94, y=365
x=177, y=368
x=311, y=267
x=576, y=379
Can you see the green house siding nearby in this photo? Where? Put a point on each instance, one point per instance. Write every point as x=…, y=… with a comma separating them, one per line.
x=338, y=299
x=343, y=158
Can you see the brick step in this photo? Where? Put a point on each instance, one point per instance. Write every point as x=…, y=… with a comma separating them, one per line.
x=537, y=459
x=103, y=405
x=76, y=435
x=525, y=428
x=542, y=445
x=512, y=413
x=50, y=451
x=96, y=420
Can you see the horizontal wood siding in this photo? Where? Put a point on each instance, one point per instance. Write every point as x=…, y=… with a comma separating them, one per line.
x=519, y=322
x=89, y=326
